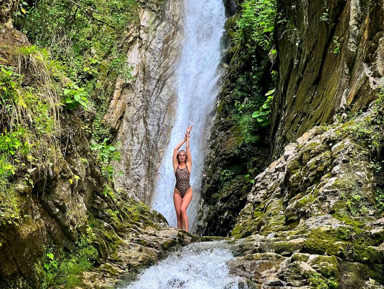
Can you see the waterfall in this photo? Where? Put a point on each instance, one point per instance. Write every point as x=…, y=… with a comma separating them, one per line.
x=197, y=266
x=197, y=88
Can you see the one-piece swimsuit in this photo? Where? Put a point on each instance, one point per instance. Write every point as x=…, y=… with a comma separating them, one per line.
x=182, y=180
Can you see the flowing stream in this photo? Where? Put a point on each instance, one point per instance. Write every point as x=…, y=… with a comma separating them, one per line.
x=197, y=87
x=196, y=266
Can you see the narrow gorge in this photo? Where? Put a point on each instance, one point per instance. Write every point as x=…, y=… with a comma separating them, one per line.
x=287, y=103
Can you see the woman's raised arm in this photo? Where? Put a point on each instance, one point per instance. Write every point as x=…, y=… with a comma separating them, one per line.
x=174, y=159
x=189, y=156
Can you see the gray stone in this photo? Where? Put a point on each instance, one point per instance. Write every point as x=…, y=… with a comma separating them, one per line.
x=142, y=108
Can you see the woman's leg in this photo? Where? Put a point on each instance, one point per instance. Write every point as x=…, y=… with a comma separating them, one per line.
x=184, y=205
x=177, y=202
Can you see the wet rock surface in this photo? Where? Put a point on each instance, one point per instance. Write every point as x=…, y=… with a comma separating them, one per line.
x=330, y=60
x=68, y=210
x=142, y=108
x=318, y=208
x=67, y=215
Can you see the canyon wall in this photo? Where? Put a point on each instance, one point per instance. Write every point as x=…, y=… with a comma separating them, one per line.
x=330, y=62
x=142, y=109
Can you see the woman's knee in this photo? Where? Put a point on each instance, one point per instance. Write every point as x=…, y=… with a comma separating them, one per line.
x=183, y=211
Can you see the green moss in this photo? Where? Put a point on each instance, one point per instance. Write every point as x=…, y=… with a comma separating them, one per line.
x=366, y=254
x=320, y=246
x=375, y=271
x=242, y=230
x=11, y=203
x=258, y=214
x=321, y=282
x=300, y=257
x=349, y=243
x=328, y=266
x=168, y=244
x=70, y=269
x=286, y=246
x=307, y=200
x=293, y=166
x=311, y=150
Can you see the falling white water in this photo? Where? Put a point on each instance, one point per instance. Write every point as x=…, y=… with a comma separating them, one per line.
x=197, y=266
x=197, y=88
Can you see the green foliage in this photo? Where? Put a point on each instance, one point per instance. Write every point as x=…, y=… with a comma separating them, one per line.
x=75, y=96
x=262, y=115
x=106, y=154
x=28, y=116
x=355, y=204
x=66, y=268
x=379, y=196
x=337, y=44
x=256, y=23
x=9, y=203
x=108, y=192
x=248, y=177
x=320, y=282
x=253, y=40
x=29, y=126
x=245, y=109
x=85, y=35
x=50, y=262
x=369, y=132
x=21, y=11
x=71, y=268
x=380, y=97
x=325, y=16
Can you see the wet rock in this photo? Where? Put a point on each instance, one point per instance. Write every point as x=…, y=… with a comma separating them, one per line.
x=331, y=61
x=315, y=207
x=141, y=110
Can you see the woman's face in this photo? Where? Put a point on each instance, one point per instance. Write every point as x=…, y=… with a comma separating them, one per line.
x=182, y=157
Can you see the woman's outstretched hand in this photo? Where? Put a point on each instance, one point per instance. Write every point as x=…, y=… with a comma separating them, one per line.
x=189, y=130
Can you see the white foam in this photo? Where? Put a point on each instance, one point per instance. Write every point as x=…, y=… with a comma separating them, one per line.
x=197, y=266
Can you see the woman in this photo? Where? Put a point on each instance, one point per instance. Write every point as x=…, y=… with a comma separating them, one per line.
x=182, y=164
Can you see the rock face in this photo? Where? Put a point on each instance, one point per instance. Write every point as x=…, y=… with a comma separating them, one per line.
x=62, y=218
x=319, y=207
x=7, y=7
x=9, y=37
x=68, y=210
x=331, y=60
x=314, y=217
x=278, y=261
x=142, y=109
x=237, y=147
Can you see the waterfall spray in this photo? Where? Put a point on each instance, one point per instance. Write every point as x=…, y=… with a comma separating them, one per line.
x=197, y=88
x=197, y=266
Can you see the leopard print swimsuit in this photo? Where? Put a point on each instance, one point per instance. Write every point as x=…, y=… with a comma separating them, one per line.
x=182, y=180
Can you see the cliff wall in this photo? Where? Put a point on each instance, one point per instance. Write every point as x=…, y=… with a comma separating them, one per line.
x=330, y=62
x=141, y=110
x=62, y=222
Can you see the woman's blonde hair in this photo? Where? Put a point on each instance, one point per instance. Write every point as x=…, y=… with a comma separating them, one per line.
x=186, y=157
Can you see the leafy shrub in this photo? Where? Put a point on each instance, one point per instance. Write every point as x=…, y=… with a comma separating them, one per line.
x=28, y=114
x=106, y=154
x=256, y=24
x=84, y=34
x=75, y=96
